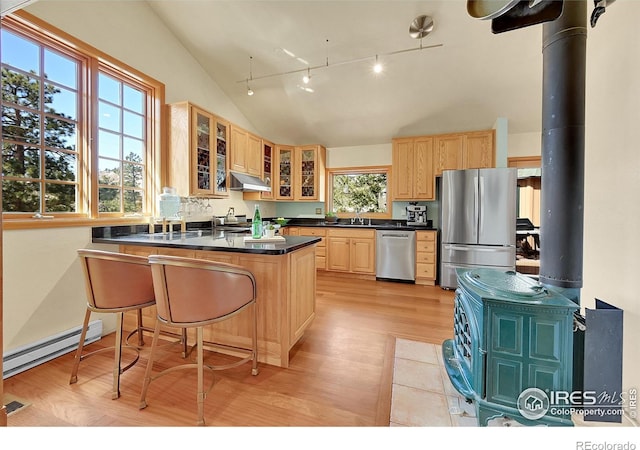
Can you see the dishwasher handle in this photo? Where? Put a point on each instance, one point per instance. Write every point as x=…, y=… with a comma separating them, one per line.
x=400, y=236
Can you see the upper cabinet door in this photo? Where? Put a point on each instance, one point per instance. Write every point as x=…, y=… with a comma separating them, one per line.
x=254, y=155
x=448, y=152
x=238, y=154
x=267, y=169
x=203, y=153
x=403, y=169
x=423, y=177
x=221, y=187
x=309, y=170
x=284, y=172
x=479, y=150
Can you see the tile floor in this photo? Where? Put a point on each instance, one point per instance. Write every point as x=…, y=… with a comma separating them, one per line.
x=423, y=396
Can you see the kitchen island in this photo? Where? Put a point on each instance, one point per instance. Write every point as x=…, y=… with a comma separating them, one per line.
x=285, y=276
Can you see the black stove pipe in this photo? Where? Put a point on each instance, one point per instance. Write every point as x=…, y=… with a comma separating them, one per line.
x=563, y=137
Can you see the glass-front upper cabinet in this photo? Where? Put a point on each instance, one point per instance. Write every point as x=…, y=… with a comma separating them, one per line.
x=267, y=168
x=222, y=161
x=309, y=173
x=197, y=151
x=203, y=158
x=284, y=172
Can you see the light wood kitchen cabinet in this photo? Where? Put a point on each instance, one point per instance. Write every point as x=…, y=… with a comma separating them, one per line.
x=321, y=248
x=299, y=172
x=309, y=173
x=351, y=250
x=267, y=169
x=479, y=151
x=196, y=151
x=426, y=257
x=412, y=170
x=245, y=154
x=283, y=172
x=471, y=150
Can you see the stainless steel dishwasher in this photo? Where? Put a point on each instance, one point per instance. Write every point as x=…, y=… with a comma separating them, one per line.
x=396, y=255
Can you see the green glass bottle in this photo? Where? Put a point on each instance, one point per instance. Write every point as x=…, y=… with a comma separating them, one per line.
x=256, y=223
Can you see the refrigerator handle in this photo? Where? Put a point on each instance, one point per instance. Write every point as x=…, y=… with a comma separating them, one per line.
x=477, y=211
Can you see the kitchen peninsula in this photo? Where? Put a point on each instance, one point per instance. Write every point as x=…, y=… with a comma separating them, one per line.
x=285, y=274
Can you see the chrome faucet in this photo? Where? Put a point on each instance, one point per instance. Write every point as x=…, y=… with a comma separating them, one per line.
x=357, y=217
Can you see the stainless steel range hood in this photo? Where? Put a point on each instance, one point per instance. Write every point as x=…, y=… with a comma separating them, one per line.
x=247, y=183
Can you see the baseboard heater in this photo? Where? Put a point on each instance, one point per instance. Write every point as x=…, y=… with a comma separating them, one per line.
x=36, y=353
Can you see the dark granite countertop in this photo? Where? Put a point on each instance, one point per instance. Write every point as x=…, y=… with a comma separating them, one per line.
x=376, y=224
x=198, y=239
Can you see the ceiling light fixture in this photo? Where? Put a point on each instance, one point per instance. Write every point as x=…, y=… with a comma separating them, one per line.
x=377, y=67
x=307, y=77
x=249, y=90
x=420, y=27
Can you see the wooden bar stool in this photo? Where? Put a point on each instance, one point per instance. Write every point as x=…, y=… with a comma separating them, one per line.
x=115, y=283
x=193, y=293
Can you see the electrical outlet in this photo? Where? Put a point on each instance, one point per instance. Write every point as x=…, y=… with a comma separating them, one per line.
x=318, y=210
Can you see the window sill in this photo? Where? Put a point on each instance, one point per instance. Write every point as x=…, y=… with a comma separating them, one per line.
x=32, y=224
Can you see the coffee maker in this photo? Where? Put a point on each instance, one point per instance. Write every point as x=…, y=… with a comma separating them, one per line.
x=416, y=214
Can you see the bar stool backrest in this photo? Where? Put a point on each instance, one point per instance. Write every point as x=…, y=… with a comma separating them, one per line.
x=116, y=281
x=194, y=292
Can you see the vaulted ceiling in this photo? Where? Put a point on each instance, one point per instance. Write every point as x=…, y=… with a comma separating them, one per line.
x=468, y=79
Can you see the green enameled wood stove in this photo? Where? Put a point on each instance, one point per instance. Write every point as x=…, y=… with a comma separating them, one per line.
x=512, y=335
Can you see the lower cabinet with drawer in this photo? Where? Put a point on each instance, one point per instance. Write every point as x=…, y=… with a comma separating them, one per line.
x=321, y=248
x=426, y=257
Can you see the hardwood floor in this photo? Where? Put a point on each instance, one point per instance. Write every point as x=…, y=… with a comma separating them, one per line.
x=338, y=375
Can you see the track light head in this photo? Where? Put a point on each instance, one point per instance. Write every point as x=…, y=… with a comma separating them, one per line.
x=377, y=67
x=307, y=77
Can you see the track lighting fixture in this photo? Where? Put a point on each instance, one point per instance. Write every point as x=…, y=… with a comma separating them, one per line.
x=419, y=29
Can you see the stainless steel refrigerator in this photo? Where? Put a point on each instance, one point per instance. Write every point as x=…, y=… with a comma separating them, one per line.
x=478, y=221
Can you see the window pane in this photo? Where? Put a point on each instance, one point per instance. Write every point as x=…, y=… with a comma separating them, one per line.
x=133, y=175
x=133, y=99
x=108, y=89
x=60, y=102
x=60, y=166
x=20, y=125
x=60, y=133
x=362, y=192
x=20, y=196
x=109, y=117
x=19, y=52
x=108, y=144
x=20, y=161
x=20, y=89
x=133, y=124
x=60, y=198
x=132, y=201
x=109, y=171
x=109, y=200
x=133, y=150
x=60, y=69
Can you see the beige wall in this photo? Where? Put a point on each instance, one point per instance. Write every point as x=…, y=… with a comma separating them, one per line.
x=363, y=155
x=35, y=309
